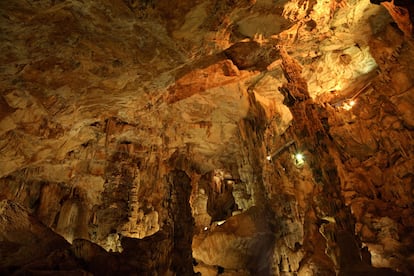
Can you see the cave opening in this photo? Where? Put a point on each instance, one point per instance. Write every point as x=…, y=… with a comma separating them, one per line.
x=219, y=187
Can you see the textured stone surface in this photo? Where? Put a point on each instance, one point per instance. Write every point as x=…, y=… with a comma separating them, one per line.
x=134, y=129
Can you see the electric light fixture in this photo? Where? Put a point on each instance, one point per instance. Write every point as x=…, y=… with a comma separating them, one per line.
x=299, y=159
x=348, y=104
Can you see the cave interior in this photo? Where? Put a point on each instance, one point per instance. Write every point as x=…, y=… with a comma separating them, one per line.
x=207, y=137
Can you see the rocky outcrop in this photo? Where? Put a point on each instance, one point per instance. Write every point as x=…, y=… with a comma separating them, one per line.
x=243, y=242
x=26, y=245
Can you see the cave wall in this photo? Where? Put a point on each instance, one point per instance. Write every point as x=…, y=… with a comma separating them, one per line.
x=340, y=185
x=157, y=143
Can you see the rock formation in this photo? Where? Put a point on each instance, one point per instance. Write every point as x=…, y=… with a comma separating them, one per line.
x=251, y=137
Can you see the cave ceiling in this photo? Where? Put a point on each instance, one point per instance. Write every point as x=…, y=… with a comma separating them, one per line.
x=176, y=72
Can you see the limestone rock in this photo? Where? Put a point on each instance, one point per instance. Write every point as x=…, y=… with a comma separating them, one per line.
x=134, y=129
